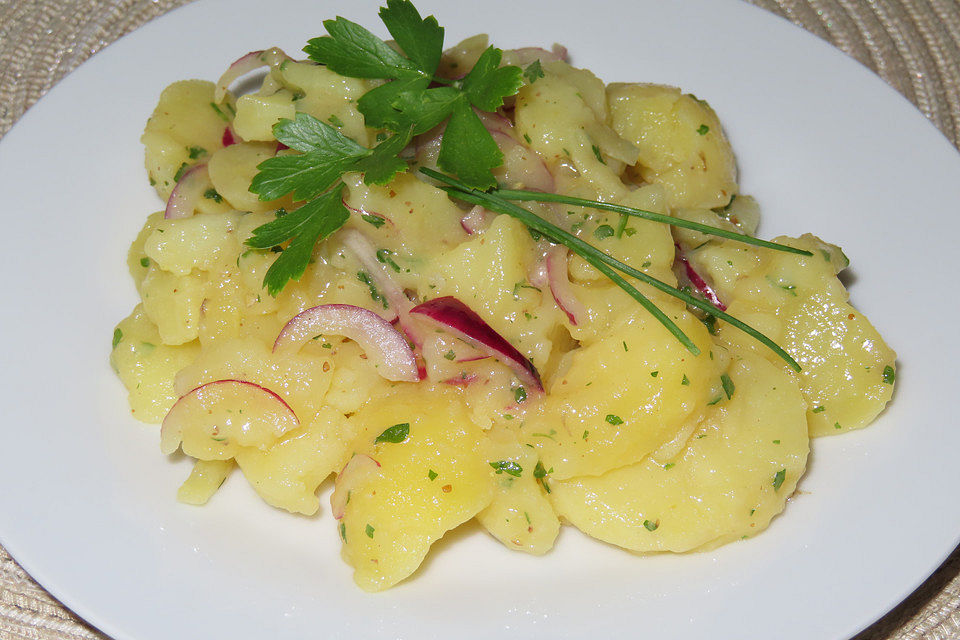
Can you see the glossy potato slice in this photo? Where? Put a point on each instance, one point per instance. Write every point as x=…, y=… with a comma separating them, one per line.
x=147, y=367
x=288, y=474
x=847, y=369
x=432, y=480
x=733, y=478
x=184, y=129
x=204, y=480
x=681, y=142
x=520, y=515
x=623, y=396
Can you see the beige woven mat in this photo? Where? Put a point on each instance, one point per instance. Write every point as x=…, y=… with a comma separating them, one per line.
x=913, y=44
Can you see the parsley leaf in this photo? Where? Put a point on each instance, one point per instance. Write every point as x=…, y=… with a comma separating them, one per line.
x=467, y=149
x=377, y=105
x=305, y=226
x=327, y=155
x=351, y=50
x=384, y=162
x=488, y=83
x=421, y=39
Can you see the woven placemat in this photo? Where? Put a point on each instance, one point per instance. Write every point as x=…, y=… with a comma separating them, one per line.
x=914, y=45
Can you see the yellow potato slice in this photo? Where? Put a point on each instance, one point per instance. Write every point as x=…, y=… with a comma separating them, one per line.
x=520, y=515
x=848, y=370
x=623, y=396
x=732, y=479
x=427, y=482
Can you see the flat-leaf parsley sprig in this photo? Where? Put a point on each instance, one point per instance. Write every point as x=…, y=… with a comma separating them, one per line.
x=410, y=103
x=314, y=175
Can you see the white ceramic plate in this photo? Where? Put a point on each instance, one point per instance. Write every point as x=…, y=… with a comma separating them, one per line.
x=88, y=505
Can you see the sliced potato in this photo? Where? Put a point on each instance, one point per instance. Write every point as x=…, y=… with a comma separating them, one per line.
x=734, y=476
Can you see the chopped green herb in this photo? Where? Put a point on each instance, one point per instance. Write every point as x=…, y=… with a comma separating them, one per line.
x=889, y=375
x=450, y=355
x=335, y=121
x=527, y=138
x=374, y=293
x=432, y=474
x=625, y=347
x=182, y=170
x=715, y=401
x=603, y=231
x=669, y=465
x=703, y=129
x=752, y=511
x=789, y=288
x=614, y=420
x=776, y=442
x=836, y=425
x=686, y=381
x=383, y=256
x=818, y=409
x=520, y=394
x=343, y=530
x=654, y=374
x=211, y=194
x=596, y=152
x=651, y=526
x=376, y=221
x=728, y=386
x=533, y=71
x=395, y=434
x=219, y=112
x=540, y=475
x=196, y=152
x=586, y=433
x=507, y=466
x=522, y=285
x=117, y=337
x=369, y=530
x=778, y=479
x=144, y=262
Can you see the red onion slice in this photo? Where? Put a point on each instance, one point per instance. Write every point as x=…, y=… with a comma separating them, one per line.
x=461, y=381
x=244, y=65
x=357, y=469
x=242, y=411
x=560, y=286
x=384, y=345
x=461, y=321
x=698, y=282
x=229, y=137
x=188, y=190
x=538, y=275
x=476, y=220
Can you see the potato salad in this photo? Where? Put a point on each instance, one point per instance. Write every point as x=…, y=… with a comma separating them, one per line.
x=475, y=283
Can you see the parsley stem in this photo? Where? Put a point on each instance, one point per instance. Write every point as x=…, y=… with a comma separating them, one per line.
x=540, y=196
x=594, y=256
